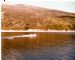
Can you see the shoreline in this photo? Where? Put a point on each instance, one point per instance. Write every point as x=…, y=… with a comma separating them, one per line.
x=37, y=30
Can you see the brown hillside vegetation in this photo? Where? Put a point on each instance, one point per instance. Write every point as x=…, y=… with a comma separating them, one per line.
x=23, y=17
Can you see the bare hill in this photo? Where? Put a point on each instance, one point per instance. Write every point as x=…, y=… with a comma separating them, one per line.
x=23, y=17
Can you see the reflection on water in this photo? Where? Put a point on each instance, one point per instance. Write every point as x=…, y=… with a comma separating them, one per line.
x=46, y=46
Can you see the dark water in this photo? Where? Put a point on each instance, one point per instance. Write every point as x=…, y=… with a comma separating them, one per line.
x=45, y=46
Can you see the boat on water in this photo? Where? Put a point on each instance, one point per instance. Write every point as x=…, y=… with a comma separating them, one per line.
x=20, y=36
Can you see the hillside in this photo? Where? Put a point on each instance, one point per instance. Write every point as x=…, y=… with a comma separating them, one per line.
x=23, y=17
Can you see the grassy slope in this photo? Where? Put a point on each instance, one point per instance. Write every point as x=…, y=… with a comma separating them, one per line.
x=23, y=17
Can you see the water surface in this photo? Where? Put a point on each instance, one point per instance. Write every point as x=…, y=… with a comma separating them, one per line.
x=45, y=46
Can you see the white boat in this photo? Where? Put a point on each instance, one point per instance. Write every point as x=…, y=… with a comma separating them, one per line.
x=12, y=37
